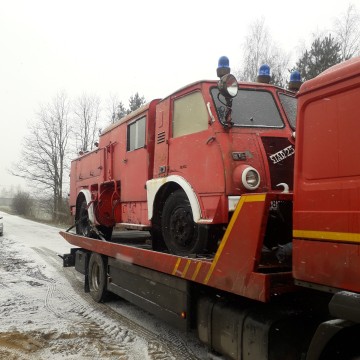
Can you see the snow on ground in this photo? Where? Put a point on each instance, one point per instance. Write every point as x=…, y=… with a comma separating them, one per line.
x=45, y=314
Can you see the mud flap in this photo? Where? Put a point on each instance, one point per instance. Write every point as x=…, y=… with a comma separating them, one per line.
x=82, y=266
x=69, y=259
x=80, y=259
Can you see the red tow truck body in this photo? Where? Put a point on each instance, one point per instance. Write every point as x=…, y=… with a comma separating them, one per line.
x=248, y=301
x=327, y=172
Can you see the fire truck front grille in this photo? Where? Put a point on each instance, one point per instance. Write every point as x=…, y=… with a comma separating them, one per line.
x=280, y=155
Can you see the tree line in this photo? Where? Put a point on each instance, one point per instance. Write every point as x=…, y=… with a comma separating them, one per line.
x=61, y=129
x=64, y=127
x=328, y=48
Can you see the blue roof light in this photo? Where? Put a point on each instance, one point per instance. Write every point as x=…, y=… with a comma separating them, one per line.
x=264, y=70
x=264, y=74
x=223, y=66
x=295, y=81
x=295, y=76
x=224, y=62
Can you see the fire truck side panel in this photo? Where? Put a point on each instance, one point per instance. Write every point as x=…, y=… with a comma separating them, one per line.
x=195, y=154
x=326, y=198
x=86, y=170
x=116, y=172
x=161, y=152
x=136, y=166
x=113, y=140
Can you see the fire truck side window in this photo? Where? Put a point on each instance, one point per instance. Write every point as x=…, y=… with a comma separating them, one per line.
x=136, y=134
x=289, y=104
x=189, y=115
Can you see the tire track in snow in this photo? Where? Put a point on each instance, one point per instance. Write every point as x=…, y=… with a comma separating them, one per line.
x=169, y=347
x=94, y=326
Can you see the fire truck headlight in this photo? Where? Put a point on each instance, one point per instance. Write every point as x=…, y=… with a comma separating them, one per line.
x=250, y=178
x=228, y=86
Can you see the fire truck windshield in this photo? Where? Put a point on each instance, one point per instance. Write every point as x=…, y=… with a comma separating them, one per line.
x=250, y=108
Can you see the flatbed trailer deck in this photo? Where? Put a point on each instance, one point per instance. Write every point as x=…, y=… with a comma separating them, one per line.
x=242, y=274
x=234, y=302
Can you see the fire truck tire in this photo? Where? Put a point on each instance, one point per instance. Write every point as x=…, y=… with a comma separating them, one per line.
x=83, y=226
x=180, y=233
x=97, y=277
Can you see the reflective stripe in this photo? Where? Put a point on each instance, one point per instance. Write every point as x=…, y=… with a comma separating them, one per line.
x=176, y=266
x=186, y=268
x=327, y=235
x=197, y=269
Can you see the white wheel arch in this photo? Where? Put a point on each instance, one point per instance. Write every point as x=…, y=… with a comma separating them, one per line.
x=154, y=185
x=87, y=196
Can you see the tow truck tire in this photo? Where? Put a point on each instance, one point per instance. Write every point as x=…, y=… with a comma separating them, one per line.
x=98, y=277
x=181, y=234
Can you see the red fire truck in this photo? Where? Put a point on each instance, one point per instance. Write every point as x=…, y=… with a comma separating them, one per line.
x=245, y=301
x=178, y=166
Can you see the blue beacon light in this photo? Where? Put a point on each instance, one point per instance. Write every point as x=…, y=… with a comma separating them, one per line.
x=264, y=74
x=223, y=66
x=295, y=81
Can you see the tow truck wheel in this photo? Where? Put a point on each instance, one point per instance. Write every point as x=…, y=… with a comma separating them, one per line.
x=97, y=277
x=180, y=233
x=83, y=226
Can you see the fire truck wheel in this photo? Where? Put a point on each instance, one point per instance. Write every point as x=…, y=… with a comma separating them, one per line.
x=97, y=277
x=83, y=226
x=181, y=234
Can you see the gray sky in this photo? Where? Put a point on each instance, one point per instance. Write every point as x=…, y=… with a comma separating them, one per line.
x=120, y=47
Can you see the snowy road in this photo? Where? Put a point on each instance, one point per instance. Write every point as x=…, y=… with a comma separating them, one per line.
x=44, y=313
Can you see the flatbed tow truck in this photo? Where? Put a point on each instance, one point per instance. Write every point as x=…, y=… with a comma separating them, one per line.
x=186, y=290
x=245, y=301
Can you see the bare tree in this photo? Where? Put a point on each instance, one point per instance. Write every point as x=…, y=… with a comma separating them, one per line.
x=347, y=30
x=115, y=108
x=87, y=116
x=44, y=154
x=259, y=49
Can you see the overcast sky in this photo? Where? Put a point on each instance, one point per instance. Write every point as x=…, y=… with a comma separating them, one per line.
x=120, y=47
